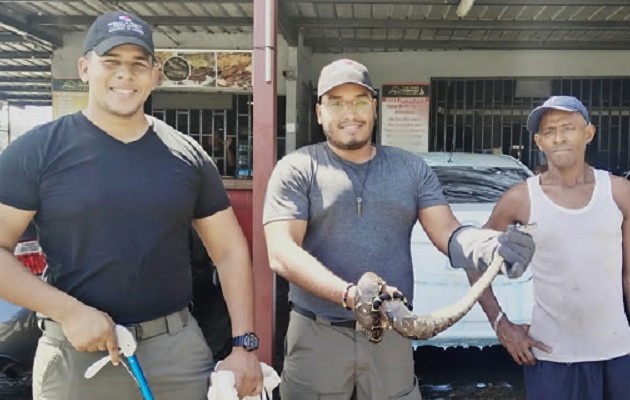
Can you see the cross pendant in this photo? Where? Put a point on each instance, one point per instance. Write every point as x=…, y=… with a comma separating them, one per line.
x=359, y=206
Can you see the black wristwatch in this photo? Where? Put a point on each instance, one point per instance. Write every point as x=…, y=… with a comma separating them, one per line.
x=248, y=341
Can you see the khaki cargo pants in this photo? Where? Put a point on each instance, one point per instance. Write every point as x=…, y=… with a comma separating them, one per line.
x=177, y=365
x=327, y=362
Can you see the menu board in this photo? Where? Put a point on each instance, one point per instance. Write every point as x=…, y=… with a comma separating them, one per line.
x=205, y=69
x=68, y=96
x=405, y=116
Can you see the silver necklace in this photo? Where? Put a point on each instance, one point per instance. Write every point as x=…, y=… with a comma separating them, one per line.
x=359, y=195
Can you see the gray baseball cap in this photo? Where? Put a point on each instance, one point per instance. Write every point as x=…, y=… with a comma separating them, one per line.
x=563, y=103
x=343, y=71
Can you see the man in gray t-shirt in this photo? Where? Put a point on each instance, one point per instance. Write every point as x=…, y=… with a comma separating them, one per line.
x=338, y=209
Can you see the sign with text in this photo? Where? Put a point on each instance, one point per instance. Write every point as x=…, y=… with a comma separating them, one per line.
x=68, y=96
x=405, y=116
x=205, y=69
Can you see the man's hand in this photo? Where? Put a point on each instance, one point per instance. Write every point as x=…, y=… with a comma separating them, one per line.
x=247, y=372
x=475, y=248
x=89, y=329
x=516, y=340
x=352, y=292
x=517, y=248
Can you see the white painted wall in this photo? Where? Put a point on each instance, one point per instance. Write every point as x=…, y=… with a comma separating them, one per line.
x=421, y=66
x=299, y=107
x=64, y=61
x=410, y=66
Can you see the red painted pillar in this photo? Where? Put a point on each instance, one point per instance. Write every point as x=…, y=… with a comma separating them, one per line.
x=264, y=147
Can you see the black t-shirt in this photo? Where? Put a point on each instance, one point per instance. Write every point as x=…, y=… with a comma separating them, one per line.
x=113, y=218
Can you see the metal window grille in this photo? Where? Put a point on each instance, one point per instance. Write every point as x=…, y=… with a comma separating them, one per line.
x=226, y=135
x=488, y=115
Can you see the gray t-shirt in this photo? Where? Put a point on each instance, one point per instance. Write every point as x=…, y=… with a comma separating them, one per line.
x=315, y=185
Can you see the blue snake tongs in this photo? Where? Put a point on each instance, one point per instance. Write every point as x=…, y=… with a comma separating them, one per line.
x=127, y=345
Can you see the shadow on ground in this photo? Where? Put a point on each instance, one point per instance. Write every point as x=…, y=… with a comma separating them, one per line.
x=460, y=374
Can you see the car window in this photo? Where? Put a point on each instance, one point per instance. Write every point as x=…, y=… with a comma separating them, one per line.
x=477, y=185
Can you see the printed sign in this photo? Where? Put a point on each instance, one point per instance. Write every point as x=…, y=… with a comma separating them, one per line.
x=68, y=96
x=203, y=69
x=405, y=116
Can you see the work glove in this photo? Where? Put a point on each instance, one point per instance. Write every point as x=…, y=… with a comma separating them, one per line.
x=474, y=248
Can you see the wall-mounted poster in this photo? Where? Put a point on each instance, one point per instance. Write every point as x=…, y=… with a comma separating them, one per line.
x=405, y=116
x=205, y=69
x=68, y=96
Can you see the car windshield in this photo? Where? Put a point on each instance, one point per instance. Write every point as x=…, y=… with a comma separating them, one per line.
x=477, y=184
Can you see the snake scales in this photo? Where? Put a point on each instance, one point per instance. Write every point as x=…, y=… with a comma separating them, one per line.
x=377, y=311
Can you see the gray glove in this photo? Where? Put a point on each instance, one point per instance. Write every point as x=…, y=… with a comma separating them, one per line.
x=474, y=248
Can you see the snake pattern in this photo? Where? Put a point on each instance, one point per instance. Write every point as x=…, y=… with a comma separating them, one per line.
x=378, y=311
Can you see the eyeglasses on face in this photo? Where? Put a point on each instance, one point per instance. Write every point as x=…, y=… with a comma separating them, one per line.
x=335, y=106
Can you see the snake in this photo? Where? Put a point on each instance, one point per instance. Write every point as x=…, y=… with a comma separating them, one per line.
x=377, y=311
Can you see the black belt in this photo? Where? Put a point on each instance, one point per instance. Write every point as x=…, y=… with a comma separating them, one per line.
x=170, y=324
x=311, y=315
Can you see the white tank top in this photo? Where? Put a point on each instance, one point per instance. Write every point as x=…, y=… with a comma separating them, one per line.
x=577, y=270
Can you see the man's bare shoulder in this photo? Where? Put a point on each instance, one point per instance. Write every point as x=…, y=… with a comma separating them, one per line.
x=512, y=207
x=621, y=193
x=516, y=195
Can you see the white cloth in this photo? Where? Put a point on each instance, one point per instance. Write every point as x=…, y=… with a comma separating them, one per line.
x=223, y=384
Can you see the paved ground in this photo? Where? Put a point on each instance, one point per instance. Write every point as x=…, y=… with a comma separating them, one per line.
x=11, y=389
x=460, y=374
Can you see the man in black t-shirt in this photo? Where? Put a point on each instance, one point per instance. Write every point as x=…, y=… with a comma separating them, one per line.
x=113, y=194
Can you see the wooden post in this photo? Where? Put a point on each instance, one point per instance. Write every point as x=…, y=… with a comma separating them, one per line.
x=264, y=147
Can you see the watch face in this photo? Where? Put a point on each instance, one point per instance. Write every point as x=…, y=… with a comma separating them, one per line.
x=251, y=342
x=248, y=341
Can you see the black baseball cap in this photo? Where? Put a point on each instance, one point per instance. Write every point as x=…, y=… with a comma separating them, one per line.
x=343, y=71
x=116, y=28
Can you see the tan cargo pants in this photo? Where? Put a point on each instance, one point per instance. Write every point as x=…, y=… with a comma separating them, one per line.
x=327, y=362
x=177, y=365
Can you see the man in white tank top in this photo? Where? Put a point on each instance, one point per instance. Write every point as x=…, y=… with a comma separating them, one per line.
x=578, y=343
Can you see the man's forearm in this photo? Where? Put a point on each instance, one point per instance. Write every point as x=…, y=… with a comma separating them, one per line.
x=237, y=284
x=299, y=267
x=20, y=287
x=488, y=302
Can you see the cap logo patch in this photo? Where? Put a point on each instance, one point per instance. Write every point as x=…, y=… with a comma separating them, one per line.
x=124, y=23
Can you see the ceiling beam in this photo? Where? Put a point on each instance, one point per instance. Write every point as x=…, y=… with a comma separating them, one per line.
x=32, y=103
x=24, y=55
x=25, y=80
x=291, y=24
x=29, y=31
x=287, y=28
x=24, y=68
x=64, y=20
x=618, y=3
x=24, y=89
x=463, y=24
x=24, y=97
x=328, y=43
x=135, y=1
x=12, y=38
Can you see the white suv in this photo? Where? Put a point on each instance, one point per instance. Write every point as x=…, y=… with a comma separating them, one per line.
x=472, y=184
